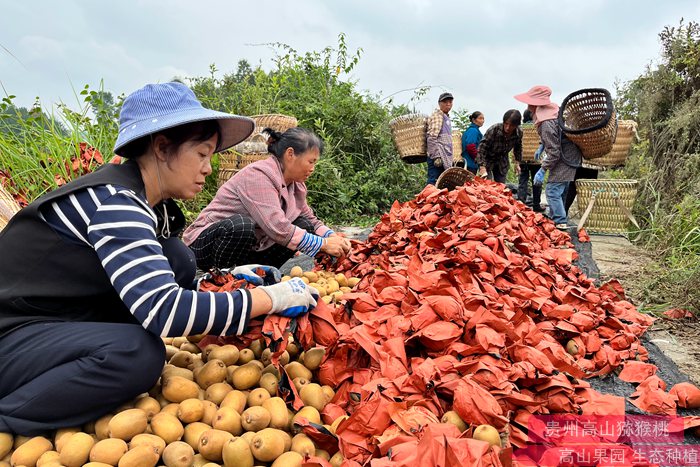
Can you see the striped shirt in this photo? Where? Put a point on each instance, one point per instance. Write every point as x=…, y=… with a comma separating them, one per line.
x=260, y=192
x=121, y=228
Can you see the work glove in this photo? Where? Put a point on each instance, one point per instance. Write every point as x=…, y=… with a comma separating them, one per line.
x=539, y=151
x=247, y=272
x=539, y=178
x=437, y=162
x=291, y=298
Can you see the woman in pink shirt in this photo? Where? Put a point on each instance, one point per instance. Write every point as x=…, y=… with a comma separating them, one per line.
x=260, y=215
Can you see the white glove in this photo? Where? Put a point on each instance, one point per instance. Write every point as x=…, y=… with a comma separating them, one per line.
x=247, y=272
x=291, y=298
x=437, y=162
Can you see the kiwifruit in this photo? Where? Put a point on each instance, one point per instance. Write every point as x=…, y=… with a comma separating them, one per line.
x=61, y=436
x=272, y=370
x=211, y=444
x=207, y=350
x=177, y=389
x=193, y=431
x=197, y=362
x=236, y=399
x=30, y=451
x=196, y=338
x=299, y=382
x=337, y=459
x=148, y=439
x=237, y=452
x=170, y=350
x=296, y=271
x=178, y=454
x=572, y=347
x=6, y=443
x=168, y=427
x=312, y=394
x=323, y=454
x=313, y=357
x=49, y=459
x=311, y=275
x=255, y=418
x=190, y=410
x=246, y=376
x=279, y=414
x=76, y=451
x=108, y=451
x=178, y=341
x=353, y=281
x=140, y=456
x=292, y=349
x=267, y=445
x=228, y=419
x=172, y=370
x=172, y=408
x=296, y=369
x=102, y=426
x=303, y=445
x=217, y=391
x=199, y=461
x=257, y=396
x=226, y=353
x=257, y=347
x=269, y=383
x=338, y=421
x=452, y=417
x=127, y=424
x=248, y=436
x=210, y=409
x=245, y=356
x=309, y=413
x=289, y=459
x=214, y=371
x=148, y=404
x=182, y=358
x=329, y=392
x=487, y=433
x=190, y=347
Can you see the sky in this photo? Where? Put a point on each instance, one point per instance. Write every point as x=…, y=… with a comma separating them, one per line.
x=482, y=52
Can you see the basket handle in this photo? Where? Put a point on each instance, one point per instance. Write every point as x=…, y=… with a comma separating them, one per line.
x=588, y=210
x=627, y=212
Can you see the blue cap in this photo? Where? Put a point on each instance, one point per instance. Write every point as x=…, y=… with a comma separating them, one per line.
x=157, y=107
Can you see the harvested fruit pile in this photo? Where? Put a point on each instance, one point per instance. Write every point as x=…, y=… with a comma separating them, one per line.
x=434, y=343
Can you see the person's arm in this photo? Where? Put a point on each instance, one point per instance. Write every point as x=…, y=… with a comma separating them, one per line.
x=485, y=149
x=469, y=142
x=549, y=135
x=518, y=147
x=434, y=125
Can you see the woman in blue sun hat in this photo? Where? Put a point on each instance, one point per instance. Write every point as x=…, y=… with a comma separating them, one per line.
x=94, y=274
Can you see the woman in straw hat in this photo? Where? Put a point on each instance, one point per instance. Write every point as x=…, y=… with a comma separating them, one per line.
x=93, y=273
x=563, y=156
x=260, y=215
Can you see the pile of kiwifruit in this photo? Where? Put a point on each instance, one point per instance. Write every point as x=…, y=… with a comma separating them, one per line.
x=330, y=286
x=216, y=406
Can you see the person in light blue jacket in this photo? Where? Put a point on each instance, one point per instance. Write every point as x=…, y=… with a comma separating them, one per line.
x=470, y=141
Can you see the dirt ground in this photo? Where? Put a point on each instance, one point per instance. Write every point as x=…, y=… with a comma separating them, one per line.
x=617, y=258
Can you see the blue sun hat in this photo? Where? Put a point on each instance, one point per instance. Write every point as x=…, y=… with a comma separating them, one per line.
x=157, y=107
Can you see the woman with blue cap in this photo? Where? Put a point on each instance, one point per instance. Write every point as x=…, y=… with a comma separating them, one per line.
x=94, y=274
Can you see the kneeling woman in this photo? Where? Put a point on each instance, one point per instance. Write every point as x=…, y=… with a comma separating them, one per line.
x=261, y=215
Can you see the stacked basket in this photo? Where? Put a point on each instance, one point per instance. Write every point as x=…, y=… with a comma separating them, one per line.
x=8, y=207
x=587, y=117
x=626, y=133
x=606, y=204
x=531, y=142
x=254, y=148
x=408, y=133
x=456, y=146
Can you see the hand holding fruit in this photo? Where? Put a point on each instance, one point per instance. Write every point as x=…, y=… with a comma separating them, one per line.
x=336, y=245
x=247, y=272
x=291, y=298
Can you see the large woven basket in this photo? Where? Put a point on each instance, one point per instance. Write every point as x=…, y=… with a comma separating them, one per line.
x=8, y=207
x=607, y=214
x=453, y=177
x=277, y=122
x=626, y=133
x=531, y=142
x=456, y=146
x=587, y=117
x=242, y=154
x=408, y=133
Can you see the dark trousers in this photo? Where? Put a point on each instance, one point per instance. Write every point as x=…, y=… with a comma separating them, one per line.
x=433, y=172
x=496, y=174
x=581, y=172
x=230, y=242
x=64, y=374
x=527, y=176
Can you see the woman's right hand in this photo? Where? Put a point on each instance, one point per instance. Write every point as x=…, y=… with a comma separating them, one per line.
x=483, y=172
x=336, y=246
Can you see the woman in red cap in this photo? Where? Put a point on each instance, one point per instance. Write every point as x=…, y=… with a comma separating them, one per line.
x=562, y=155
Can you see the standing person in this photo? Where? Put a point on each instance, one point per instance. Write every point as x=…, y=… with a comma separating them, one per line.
x=93, y=274
x=470, y=142
x=528, y=171
x=260, y=215
x=562, y=155
x=585, y=171
x=499, y=140
x=439, y=138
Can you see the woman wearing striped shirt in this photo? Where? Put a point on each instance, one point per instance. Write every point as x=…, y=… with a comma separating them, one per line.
x=93, y=273
x=260, y=215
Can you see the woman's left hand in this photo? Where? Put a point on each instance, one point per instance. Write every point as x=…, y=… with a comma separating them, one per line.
x=247, y=272
x=517, y=168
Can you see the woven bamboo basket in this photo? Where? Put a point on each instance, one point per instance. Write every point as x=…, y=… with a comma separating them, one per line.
x=277, y=122
x=607, y=215
x=453, y=177
x=587, y=117
x=531, y=142
x=456, y=146
x=626, y=133
x=242, y=154
x=408, y=133
x=8, y=207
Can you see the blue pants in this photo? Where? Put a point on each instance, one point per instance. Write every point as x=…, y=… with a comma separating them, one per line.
x=63, y=374
x=556, y=194
x=433, y=172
